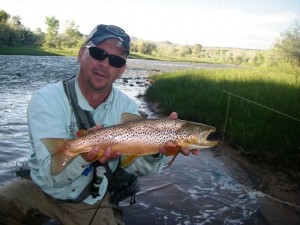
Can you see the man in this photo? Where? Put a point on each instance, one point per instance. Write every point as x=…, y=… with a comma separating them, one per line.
x=102, y=60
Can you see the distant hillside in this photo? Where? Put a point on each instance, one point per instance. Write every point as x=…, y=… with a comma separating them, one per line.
x=197, y=52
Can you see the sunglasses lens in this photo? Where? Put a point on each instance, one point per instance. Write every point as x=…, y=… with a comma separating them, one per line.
x=116, y=61
x=100, y=55
x=97, y=53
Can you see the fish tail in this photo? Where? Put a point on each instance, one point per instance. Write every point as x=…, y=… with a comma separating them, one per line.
x=57, y=149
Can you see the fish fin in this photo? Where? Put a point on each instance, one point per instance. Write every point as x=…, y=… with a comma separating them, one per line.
x=127, y=160
x=172, y=150
x=81, y=132
x=56, y=148
x=59, y=161
x=128, y=117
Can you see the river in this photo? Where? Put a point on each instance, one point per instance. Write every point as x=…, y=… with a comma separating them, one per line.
x=206, y=189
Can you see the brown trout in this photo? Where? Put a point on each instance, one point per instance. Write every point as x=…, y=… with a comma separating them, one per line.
x=135, y=136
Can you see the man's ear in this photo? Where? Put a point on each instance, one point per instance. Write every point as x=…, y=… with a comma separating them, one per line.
x=80, y=54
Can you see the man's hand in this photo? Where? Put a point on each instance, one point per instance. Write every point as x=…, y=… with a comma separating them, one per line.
x=91, y=156
x=185, y=151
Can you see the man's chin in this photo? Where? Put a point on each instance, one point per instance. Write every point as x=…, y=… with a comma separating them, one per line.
x=98, y=84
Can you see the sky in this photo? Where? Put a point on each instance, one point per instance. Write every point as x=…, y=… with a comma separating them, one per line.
x=251, y=24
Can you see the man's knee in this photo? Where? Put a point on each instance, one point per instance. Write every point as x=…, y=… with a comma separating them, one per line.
x=23, y=189
x=11, y=212
x=15, y=211
x=18, y=201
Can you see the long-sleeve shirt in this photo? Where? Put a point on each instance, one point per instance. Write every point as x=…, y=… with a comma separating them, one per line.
x=50, y=115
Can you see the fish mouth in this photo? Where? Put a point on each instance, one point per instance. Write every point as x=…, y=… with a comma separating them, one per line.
x=203, y=142
x=204, y=145
x=209, y=143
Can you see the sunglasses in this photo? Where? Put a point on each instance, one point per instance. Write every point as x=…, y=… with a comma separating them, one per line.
x=100, y=55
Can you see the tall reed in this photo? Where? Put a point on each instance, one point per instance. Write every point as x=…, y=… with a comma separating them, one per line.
x=265, y=135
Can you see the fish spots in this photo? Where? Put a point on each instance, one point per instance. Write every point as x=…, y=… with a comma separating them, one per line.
x=142, y=132
x=140, y=137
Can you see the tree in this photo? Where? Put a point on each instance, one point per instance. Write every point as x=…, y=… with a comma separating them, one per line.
x=5, y=35
x=51, y=37
x=146, y=47
x=4, y=16
x=13, y=33
x=4, y=28
x=71, y=36
x=289, y=44
x=18, y=34
x=15, y=21
x=184, y=50
x=197, y=48
x=258, y=59
x=40, y=36
x=134, y=46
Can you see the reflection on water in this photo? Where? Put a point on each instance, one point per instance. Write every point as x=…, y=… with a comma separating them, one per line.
x=194, y=190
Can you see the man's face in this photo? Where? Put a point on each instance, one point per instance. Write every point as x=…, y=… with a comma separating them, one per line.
x=98, y=76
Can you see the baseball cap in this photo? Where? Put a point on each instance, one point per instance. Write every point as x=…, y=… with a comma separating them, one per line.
x=103, y=32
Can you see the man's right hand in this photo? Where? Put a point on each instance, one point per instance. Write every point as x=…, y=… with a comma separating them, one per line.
x=91, y=156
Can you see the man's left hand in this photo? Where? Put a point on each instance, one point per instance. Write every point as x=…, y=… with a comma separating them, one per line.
x=185, y=151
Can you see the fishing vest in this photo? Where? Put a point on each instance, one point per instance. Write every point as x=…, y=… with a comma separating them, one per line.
x=121, y=185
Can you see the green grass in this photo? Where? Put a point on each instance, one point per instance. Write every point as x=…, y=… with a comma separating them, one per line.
x=29, y=50
x=264, y=135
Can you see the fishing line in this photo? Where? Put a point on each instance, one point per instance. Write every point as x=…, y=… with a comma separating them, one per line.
x=263, y=106
x=96, y=211
x=255, y=192
x=261, y=194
